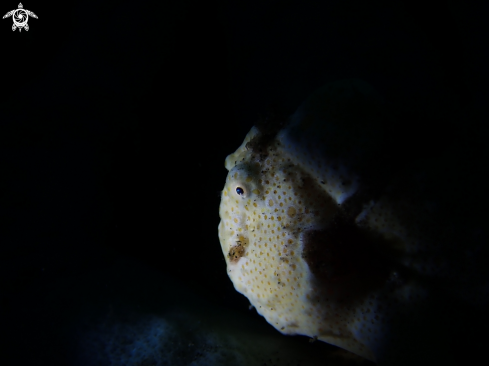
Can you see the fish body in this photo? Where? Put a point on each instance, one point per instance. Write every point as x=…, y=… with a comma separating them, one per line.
x=324, y=242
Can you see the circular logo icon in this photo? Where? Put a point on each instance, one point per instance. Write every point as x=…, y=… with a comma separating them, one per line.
x=20, y=17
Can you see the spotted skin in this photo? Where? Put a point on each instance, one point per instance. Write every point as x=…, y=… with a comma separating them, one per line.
x=313, y=248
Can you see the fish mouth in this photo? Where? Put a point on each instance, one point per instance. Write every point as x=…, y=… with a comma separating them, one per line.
x=237, y=249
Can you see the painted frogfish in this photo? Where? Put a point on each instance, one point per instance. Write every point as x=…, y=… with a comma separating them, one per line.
x=327, y=241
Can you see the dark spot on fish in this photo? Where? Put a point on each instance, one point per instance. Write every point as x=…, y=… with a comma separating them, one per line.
x=346, y=259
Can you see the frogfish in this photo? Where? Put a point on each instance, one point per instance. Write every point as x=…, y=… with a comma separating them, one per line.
x=327, y=238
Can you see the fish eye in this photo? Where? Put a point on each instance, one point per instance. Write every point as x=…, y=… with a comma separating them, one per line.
x=239, y=191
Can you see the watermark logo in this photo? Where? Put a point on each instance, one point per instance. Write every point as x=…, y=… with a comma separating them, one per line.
x=20, y=17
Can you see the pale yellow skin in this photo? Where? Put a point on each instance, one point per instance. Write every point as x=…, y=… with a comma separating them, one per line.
x=296, y=189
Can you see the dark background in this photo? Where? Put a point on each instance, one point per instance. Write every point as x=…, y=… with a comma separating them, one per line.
x=116, y=118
